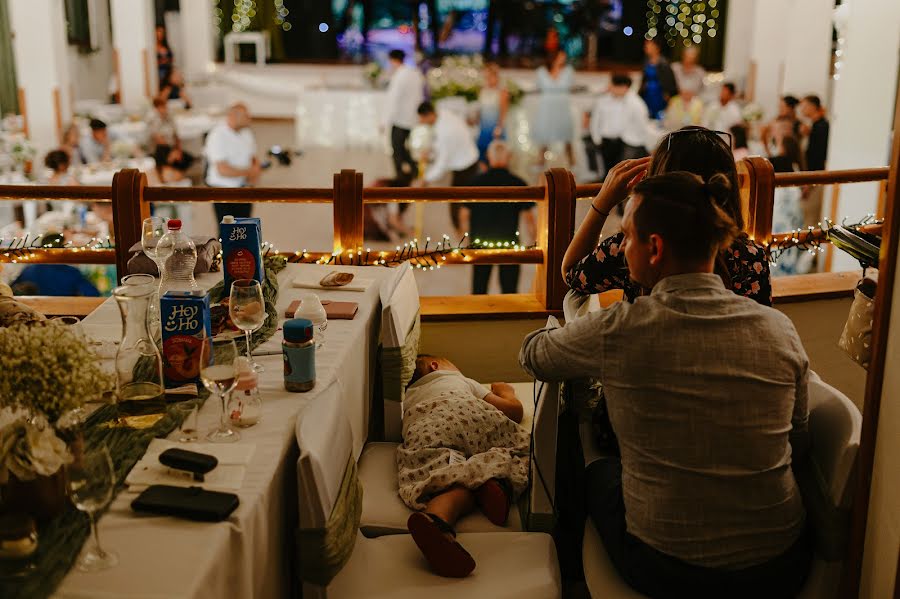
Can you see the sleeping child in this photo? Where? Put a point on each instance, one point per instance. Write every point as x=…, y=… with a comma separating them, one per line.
x=462, y=448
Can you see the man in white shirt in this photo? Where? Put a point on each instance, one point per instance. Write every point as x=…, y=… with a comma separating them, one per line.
x=725, y=114
x=619, y=123
x=231, y=158
x=95, y=147
x=453, y=150
x=404, y=94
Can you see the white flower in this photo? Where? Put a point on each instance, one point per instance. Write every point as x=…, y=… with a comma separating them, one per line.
x=29, y=446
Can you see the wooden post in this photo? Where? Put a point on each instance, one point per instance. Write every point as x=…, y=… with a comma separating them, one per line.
x=757, y=179
x=348, y=211
x=129, y=211
x=556, y=225
x=833, y=217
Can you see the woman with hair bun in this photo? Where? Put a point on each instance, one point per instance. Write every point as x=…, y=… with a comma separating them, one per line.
x=743, y=266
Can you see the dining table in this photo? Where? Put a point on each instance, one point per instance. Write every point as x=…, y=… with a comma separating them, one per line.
x=251, y=553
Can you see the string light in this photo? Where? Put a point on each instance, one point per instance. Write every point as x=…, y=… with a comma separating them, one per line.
x=685, y=21
x=811, y=239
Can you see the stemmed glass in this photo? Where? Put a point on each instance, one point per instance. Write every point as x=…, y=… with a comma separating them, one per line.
x=247, y=310
x=91, y=480
x=152, y=232
x=217, y=371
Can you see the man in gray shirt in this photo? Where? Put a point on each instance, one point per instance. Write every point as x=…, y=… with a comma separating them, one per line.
x=706, y=391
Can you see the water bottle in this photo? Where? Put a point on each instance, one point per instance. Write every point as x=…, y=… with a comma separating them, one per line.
x=178, y=274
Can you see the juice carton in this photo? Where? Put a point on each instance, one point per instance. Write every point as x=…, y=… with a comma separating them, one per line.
x=185, y=321
x=241, y=253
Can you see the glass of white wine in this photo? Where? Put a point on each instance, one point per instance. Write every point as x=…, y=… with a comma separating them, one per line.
x=247, y=310
x=219, y=376
x=91, y=479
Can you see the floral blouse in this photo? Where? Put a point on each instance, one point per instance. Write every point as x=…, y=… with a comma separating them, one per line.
x=744, y=268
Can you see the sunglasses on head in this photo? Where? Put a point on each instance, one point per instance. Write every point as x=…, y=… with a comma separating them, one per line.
x=723, y=135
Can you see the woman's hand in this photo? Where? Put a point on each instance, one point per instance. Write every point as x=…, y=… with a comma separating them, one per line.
x=619, y=182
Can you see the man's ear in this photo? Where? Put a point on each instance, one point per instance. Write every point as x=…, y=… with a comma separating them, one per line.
x=433, y=366
x=657, y=248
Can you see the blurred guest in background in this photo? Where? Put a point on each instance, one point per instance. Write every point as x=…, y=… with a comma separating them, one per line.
x=816, y=152
x=164, y=59
x=69, y=144
x=172, y=88
x=724, y=114
x=554, y=113
x=58, y=162
x=95, y=146
x=493, y=100
x=231, y=156
x=658, y=83
x=619, y=123
x=739, y=142
x=688, y=73
x=496, y=221
x=786, y=118
x=404, y=94
x=161, y=128
x=683, y=110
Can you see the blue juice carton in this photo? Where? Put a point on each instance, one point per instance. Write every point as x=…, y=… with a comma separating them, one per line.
x=241, y=250
x=185, y=323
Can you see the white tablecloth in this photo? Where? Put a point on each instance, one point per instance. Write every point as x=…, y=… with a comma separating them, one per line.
x=246, y=556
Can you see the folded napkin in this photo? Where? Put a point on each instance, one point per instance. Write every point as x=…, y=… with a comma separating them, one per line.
x=228, y=475
x=208, y=249
x=308, y=279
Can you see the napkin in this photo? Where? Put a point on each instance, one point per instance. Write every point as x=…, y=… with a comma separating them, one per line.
x=228, y=475
x=310, y=280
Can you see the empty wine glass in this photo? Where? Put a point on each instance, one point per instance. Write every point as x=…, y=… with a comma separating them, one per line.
x=247, y=309
x=91, y=480
x=152, y=232
x=217, y=371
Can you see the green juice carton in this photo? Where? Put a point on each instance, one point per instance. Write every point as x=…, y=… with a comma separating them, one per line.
x=241, y=250
x=186, y=325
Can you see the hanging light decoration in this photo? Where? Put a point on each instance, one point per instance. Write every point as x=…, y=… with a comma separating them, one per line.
x=682, y=21
x=281, y=15
x=244, y=11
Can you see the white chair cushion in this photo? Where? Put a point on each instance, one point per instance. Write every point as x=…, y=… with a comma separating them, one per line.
x=603, y=582
x=384, y=513
x=514, y=566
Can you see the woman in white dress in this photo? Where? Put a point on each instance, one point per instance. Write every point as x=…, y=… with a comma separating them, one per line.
x=554, y=115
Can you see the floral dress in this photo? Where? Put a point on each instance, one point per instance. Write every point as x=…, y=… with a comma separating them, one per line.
x=744, y=268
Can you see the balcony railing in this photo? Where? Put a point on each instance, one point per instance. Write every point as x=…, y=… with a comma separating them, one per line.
x=556, y=199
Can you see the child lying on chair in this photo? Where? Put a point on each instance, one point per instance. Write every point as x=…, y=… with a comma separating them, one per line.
x=462, y=448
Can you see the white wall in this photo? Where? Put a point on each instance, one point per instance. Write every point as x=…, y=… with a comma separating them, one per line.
x=90, y=73
x=738, y=37
x=197, y=40
x=807, y=53
x=862, y=108
x=134, y=25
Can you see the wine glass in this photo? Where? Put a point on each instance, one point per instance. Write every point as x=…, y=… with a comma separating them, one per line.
x=247, y=309
x=219, y=376
x=91, y=480
x=152, y=232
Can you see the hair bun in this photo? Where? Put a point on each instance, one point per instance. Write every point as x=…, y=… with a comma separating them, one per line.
x=719, y=188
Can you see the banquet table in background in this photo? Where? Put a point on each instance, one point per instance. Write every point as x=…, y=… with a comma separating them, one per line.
x=249, y=554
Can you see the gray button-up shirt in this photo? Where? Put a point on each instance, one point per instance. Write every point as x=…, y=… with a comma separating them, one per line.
x=703, y=389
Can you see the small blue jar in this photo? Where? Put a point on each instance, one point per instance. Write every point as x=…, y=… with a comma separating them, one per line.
x=299, y=350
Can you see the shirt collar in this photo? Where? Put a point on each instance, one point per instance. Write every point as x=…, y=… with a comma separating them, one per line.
x=694, y=280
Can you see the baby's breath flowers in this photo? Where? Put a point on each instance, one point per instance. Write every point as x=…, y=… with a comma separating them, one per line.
x=48, y=369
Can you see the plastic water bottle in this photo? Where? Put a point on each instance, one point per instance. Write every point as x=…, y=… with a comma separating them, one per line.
x=178, y=274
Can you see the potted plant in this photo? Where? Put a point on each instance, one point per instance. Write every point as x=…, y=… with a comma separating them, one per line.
x=47, y=373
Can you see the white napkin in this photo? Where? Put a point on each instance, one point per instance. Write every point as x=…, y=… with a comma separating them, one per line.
x=308, y=279
x=228, y=475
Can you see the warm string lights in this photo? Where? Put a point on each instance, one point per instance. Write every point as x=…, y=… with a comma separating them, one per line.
x=25, y=248
x=684, y=21
x=811, y=239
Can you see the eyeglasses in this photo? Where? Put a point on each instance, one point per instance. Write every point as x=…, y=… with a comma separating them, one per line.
x=723, y=135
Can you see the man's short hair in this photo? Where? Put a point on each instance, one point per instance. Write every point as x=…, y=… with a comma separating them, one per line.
x=397, y=54
x=97, y=125
x=498, y=151
x=730, y=87
x=790, y=100
x=620, y=79
x=686, y=213
x=419, y=370
x=425, y=108
x=814, y=100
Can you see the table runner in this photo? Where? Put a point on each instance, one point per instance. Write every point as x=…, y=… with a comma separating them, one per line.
x=60, y=540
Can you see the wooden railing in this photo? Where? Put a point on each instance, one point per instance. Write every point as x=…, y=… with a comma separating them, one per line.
x=556, y=199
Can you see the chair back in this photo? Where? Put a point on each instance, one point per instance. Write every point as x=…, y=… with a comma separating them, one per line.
x=326, y=442
x=399, y=347
x=541, y=494
x=827, y=479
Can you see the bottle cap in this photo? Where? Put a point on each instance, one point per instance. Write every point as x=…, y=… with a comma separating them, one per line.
x=227, y=219
x=174, y=224
x=298, y=330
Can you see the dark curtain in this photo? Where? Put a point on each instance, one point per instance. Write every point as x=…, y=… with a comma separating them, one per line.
x=9, y=96
x=78, y=23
